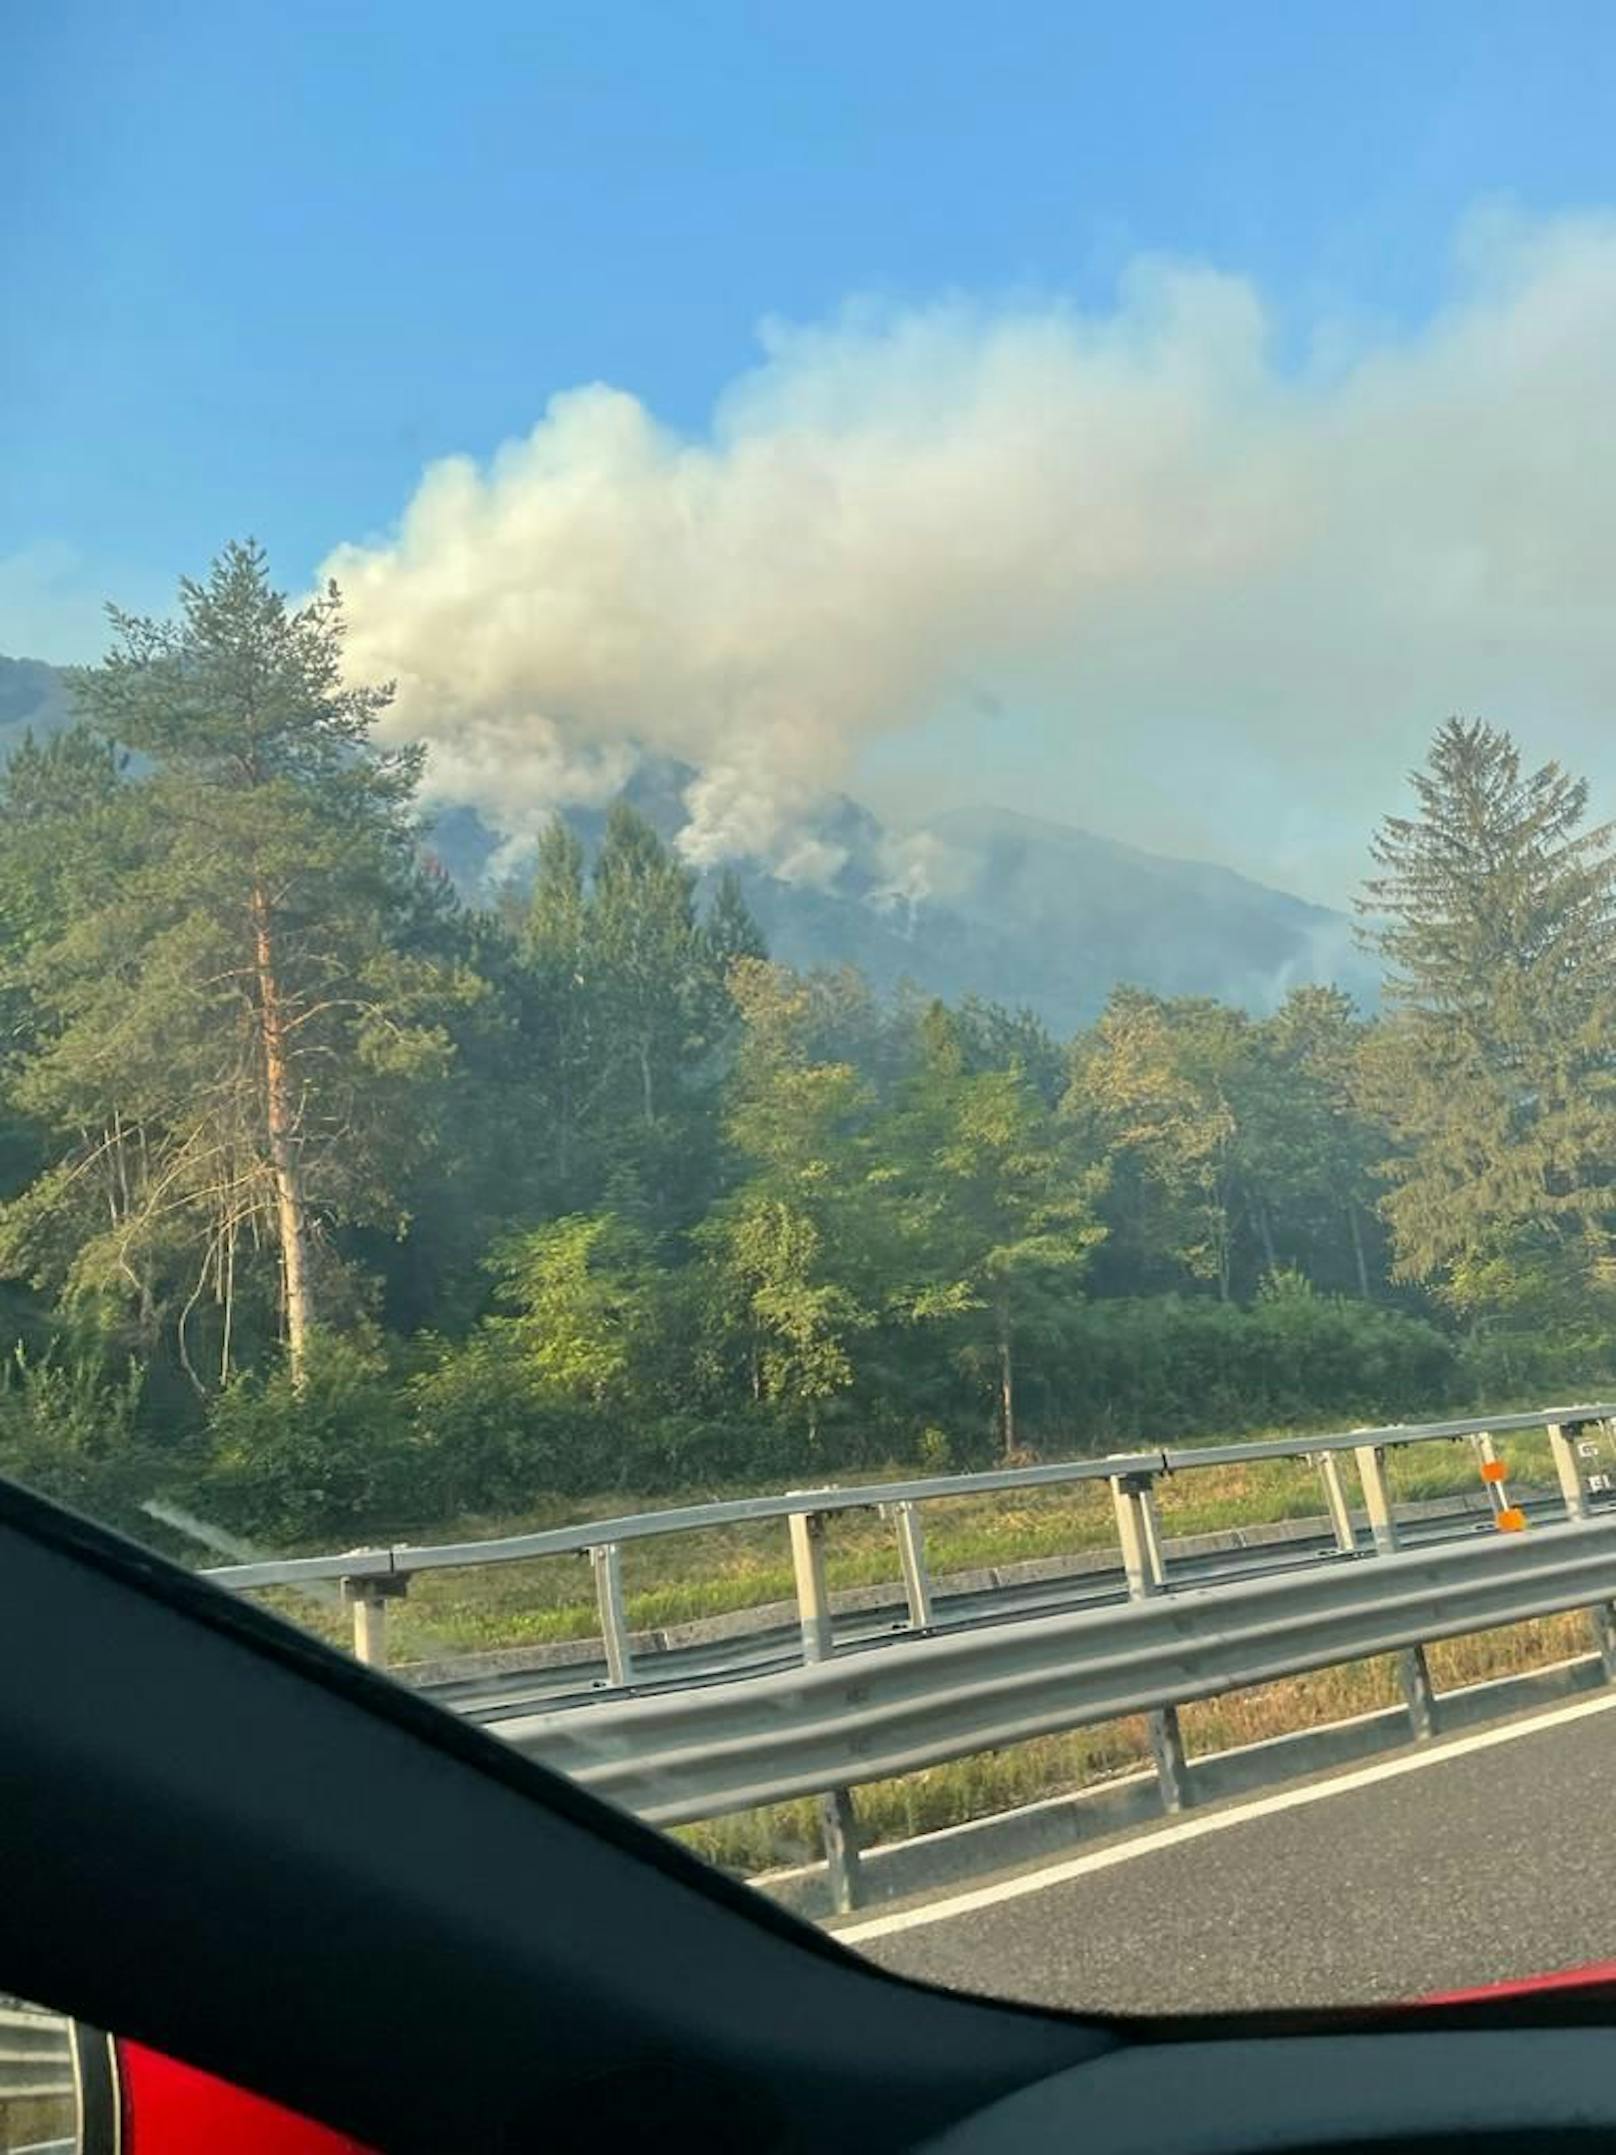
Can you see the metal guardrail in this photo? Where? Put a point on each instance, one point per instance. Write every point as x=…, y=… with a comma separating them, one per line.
x=370, y=1578
x=723, y=1745
x=405, y=1558
x=699, y=1753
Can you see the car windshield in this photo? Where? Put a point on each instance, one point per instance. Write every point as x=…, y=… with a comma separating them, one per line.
x=808, y=934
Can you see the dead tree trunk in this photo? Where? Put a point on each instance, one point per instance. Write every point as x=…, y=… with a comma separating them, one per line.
x=1358, y=1249
x=1007, y=1385
x=291, y=1208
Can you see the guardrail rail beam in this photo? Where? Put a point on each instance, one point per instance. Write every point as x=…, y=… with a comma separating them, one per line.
x=717, y=1748
x=405, y=1559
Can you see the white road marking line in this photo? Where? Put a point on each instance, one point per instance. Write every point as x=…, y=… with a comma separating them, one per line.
x=1193, y=1828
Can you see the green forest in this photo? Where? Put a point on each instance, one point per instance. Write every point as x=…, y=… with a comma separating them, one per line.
x=331, y=1203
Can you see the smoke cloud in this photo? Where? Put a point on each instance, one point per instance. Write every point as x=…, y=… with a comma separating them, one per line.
x=1216, y=594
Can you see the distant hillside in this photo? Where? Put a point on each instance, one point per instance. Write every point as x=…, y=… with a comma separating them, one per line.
x=979, y=901
x=32, y=694
x=1025, y=911
x=1068, y=915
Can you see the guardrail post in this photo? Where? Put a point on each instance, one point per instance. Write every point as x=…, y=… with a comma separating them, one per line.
x=369, y=1597
x=1602, y=1620
x=1563, y=1449
x=1419, y=1694
x=838, y=1829
x=912, y=1557
x=1167, y=1753
x=606, y=1561
x=1335, y=1502
x=1371, y=1463
x=1151, y=1528
x=1563, y=1438
x=1137, y=1533
x=1134, y=1499
x=838, y=1822
x=1413, y=1671
x=813, y=1597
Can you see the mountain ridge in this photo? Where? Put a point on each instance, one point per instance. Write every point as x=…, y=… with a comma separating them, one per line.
x=975, y=900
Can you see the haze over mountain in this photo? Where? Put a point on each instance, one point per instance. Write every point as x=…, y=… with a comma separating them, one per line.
x=32, y=694
x=975, y=901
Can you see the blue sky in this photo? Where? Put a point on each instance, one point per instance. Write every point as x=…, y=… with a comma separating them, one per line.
x=276, y=261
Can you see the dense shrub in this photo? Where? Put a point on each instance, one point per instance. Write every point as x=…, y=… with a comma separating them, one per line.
x=1537, y=1367
x=336, y=1456
x=72, y=1431
x=490, y=1439
x=767, y=1444
x=371, y=1445
x=493, y=1436
x=1174, y=1366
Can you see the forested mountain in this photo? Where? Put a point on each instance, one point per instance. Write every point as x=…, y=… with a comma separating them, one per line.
x=984, y=901
x=32, y=696
x=1023, y=910
x=1017, y=909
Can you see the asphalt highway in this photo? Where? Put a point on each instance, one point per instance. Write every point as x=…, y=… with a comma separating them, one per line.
x=1478, y=1859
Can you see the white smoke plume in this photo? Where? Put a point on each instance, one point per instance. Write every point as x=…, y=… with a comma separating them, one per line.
x=1226, y=593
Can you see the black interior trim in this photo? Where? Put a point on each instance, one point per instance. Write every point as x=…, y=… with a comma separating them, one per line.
x=226, y=1842
x=95, y=2070
x=120, y=1558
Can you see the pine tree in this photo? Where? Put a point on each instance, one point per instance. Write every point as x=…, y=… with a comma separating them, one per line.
x=232, y=1023
x=647, y=949
x=557, y=944
x=1307, y=1150
x=1495, y=911
x=634, y=1019
x=660, y=1018
x=731, y=931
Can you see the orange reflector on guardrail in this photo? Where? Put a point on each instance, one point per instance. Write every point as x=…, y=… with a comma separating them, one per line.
x=1507, y=1517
